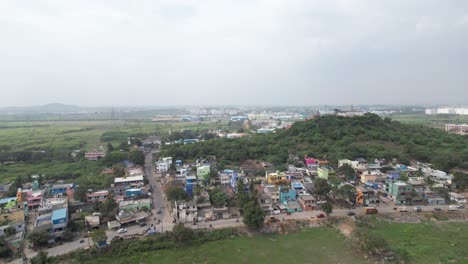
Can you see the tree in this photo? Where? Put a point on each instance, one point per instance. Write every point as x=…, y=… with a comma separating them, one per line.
x=80, y=193
x=67, y=235
x=41, y=258
x=10, y=231
x=461, y=180
x=253, y=215
x=118, y=170
x=327, y=208
x=39, y=238
x=218, y=198
x=108, y=208
x=98, y=236
x=182, y=233
x=241, y=196
x=321, y=187
x=110, y=148
x=346, y=171
x=442, y=192
x=347, y=193
x=5, y=252
x=137, y=157
x=176, y=194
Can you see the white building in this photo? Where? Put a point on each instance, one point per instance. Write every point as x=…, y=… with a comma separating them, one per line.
x=164, y=164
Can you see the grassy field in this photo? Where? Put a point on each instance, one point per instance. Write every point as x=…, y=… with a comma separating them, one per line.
x=437, y=121
x=317, y=245
x=428, y=242
x=62, y=137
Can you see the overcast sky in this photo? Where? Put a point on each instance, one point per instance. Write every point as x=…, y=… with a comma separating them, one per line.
x=173, y=52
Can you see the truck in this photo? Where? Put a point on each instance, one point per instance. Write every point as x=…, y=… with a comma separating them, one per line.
x=370, y=210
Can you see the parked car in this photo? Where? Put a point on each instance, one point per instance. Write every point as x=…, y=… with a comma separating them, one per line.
x=452, y=208
x=437, y=209
x=122, y=230
x=417, y=209
x=351, y=213
x=460, y=206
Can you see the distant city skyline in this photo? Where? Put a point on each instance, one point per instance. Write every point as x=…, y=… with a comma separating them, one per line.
x=259, y=52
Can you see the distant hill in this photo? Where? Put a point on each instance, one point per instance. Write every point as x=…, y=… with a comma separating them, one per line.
x=54, y=108
x=333, y=138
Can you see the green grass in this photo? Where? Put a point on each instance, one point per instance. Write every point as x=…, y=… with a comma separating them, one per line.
x=436, y=121
x=316, y=245
x=62, y=137
x=428, y=242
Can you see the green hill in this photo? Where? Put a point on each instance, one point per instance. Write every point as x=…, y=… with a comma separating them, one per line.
x=334, y=138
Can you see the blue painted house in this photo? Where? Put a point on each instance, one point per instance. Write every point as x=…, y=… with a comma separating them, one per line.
x=61, y=188
x=133, y=192
x=286, y=194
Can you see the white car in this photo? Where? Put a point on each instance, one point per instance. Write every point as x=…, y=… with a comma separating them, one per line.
x=122, y=230
x=452, y=208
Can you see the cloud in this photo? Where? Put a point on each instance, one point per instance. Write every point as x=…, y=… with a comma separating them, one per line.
x=231, y=52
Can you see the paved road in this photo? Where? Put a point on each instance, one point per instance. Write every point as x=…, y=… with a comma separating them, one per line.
x=62, y=249
x=159, y=202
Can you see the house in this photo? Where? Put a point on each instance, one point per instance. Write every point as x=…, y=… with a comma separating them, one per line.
x=459, y=198
x=400, y=192
x=297, y=185
x=293, y=206
x=98, y=196
x=272, y=192
x=393, y=175
x=57, y=189
x=94, y=155
x=323, y=173
x=286, y=194
x=368, y=176
x=33, y=198
x=345, y=161
x=186, y=212
x=276, y=177
x=203, y=171
x=92, y=221
x=307, y=202
x=163, y=164
x=59, y=221
x=366, y=196
x=132, y=181
x=135, y=205
x=225, y=179
x=435, y=201
x=9, y=203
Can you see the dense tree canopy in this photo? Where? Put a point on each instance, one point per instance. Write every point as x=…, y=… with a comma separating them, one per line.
x=335, y=137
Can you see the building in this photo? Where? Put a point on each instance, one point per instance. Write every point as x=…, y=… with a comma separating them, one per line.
x=33, y=198
x=367, y=196
x=323, y=173
x=9, y=203
x=286, y=194
x=276, y=177
x=131, y=182
x=400, y=192
x=457, y=128
x=368, y=176
x=135, y=205
x=163, y=164
x=59, y=221
x=99, y=196
x=94, y=155
x=459, y=198
x=307, y=202
x=62, y=189
x=203, y=172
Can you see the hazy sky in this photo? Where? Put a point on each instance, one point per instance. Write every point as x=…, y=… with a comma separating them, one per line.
x=117, y=52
